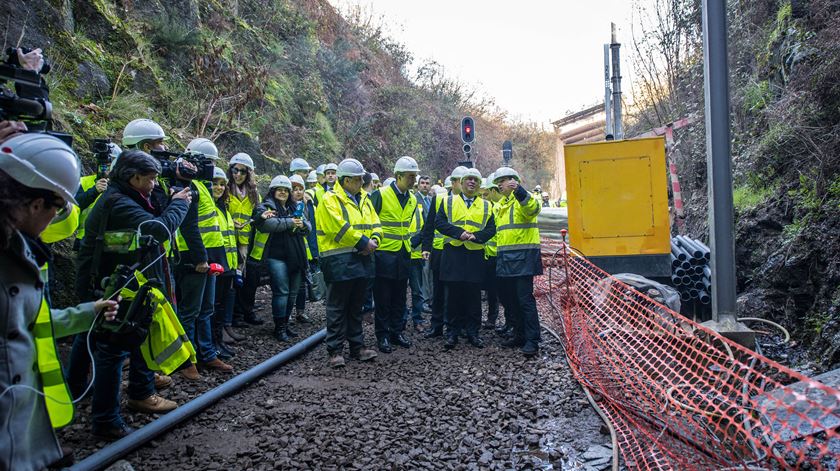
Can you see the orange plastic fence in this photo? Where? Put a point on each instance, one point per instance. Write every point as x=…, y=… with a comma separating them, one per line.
x=679, y=395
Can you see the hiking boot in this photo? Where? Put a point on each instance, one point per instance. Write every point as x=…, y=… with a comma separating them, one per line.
x=218, y=365
x=289, y=331
x=190, y=373
x=280, y=331
x=153, y=404
x=113, y=432
x=530, y=349
x=513, y=342
x=229, y=335
x=162, y=381
x=300, y=316
x=336, y=361
x=252, y=319
x=364, y=354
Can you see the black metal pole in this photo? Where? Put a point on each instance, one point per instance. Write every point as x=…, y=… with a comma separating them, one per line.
x=618, y=130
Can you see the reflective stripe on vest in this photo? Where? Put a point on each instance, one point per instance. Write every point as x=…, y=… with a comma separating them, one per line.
x=415, y=228
x=57, y=397
x=208, y=223
x=396, y=220
x=167, y=346
x=86, y=183
x=470, y=219
x=362, y=219
x=516, y=224
x=490, y=249
x=241, y=210
x=438, y=241
x=229, y=236
x=62, y=226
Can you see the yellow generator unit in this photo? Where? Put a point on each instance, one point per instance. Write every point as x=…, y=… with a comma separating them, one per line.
x=618, y=205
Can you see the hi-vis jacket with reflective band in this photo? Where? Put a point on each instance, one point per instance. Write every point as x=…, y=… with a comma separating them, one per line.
x=229, y=236
x=208, y=223
x=396, y=220
x=87, y=182
x=490, y=249
x=240, y=210
x=438, y=241
x=320, y=191
x=470, y=219
x=415, y=228
x=516, y=224
x=57, y=396
x=342, y=223
x=62, y=226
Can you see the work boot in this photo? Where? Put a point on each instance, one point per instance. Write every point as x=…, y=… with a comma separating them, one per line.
x=190, y=373
x=530, y=349
x=111, y=433
x=230, y=335
x=336, y=361
x=280, y=330
x=475, y=341
x=401, y=340
x=432, y=333
x=218, y=365
x=291, y=333
x=451, y=342
x=385, y=345
x=153, y=404
x=252, y=319
x=364, y=354
x=513, y=342
x=300, y=316
x=162, y=381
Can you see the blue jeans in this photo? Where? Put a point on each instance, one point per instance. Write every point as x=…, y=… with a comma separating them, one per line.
x=284, y=288
x=196, y=296
x=415, y=282
x=105, y=406
x=77, y=370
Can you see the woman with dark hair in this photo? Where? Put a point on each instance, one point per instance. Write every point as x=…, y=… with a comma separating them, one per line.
x=281, y=226
x=225, y=295
x=39, y=175
x=243, y=197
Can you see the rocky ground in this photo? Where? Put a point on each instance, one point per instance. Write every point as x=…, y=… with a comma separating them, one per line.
x=420, y=407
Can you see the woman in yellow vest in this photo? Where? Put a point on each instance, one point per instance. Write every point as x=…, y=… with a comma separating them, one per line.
x=280, y=228
x=225, y=294
x=243, y=198
x=39, y=175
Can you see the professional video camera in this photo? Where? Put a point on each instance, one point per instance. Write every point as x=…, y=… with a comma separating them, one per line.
x=32, y=109
x=172, y=164
x=101, y=149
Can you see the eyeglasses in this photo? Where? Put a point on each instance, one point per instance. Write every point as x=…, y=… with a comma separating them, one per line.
x=243, y=171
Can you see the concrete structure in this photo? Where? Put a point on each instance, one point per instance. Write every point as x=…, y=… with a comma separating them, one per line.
x=583, y=126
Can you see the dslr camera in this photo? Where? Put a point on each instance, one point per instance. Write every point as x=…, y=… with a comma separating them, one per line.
x=172, y=164
x=101, y=149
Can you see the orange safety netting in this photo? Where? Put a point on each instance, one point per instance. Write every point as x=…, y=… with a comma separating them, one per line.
x=679, y=395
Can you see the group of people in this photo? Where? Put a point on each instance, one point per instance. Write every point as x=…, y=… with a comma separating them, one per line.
x=197, y=239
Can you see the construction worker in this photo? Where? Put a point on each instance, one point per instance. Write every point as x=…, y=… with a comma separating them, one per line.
x=225, y=293
x=466, y=223
x=545, y=202
x=396, y=206
x=491, y=194
x=110, y=240
x=519, y=259
x=300, y=167
x=433, y=243
x=375, y=182
x=38, y=175
x=242, y=199
x=311, y=181
x=349, y=233
x=200, y=243
x=328, y=182
x=424, y=195
x=537, y=193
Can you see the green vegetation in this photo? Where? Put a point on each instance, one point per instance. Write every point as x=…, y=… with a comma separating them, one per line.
x=747, y=197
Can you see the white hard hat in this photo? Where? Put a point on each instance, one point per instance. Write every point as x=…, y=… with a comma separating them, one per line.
x=332, y=166
x=435, y=188
x=406, y=164
x=472, y=172
x=374, y=177
x=441, y=190
x=204, y=146
x=347, y=168
x=458, y=172
x=319, y=170
x=142, y=130
x=447, y=183
x=544, y=194
x=114, y=151
x=219, y=173
x=388, y=181
x=312, y=177
x=505, y=172
x=42, y=161
x=488, y=182
x=297, y=179
x=299, y=164
x=280, y=181
x=243, y=159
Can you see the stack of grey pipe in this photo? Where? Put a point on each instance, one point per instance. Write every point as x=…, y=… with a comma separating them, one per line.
x=690, y=270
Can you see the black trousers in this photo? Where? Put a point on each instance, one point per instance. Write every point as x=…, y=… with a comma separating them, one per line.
x=344, y=315
x=440, y=319
x=389, y=305
x=491, y=288
x=521, y=307
x=464, y=307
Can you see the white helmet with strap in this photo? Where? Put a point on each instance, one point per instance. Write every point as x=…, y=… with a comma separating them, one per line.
x=243, y=159
x=42, y=161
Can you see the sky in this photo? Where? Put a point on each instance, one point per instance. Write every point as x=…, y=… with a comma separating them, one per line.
x=539, y=59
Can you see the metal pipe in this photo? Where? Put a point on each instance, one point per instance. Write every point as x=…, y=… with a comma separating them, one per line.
x=598, y=125
x=608, y=126
x=616, y=85
x=676, y=280
x=684, y=296
x=679, y=272
x=677, y=251
x=122, y=447
x=704, y=297
x=721, y=210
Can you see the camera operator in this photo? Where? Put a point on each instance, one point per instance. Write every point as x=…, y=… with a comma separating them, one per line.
x=200, y=243
x=92, y=186
x=39, y=175
x=111, y=239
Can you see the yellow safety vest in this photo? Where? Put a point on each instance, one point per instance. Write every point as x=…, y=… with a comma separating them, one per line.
x=414, y=228
x=490, y=249
x=396, y=220
x=342, y=223
x=56, y=394
x=62, y=226
x=312, y=194
x=516, y=224
x=319, y=193
x=241, y=210
x=229, y=236
x=208, y=223
x=87, y=183
x=437, y=244
x=167, y=346
x=470, y=219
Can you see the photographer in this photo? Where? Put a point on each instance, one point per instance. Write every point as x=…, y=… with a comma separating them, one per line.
x=110, y=240
x=39, y=175
x=92, y=186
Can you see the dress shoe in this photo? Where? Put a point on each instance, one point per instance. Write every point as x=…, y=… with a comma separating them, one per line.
x=475, y=341
x=252, y=319
x=190, y=373
x=364, y=354
x=400, y=340
x=218, y=365
x=513, y=342
x=432, y=333
x=162, y=381
x=153, y=404
x=530, y=349
x=113, y=432
x=385, y=346
x=336, y=361
x=230, y=335
x=451, y=342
